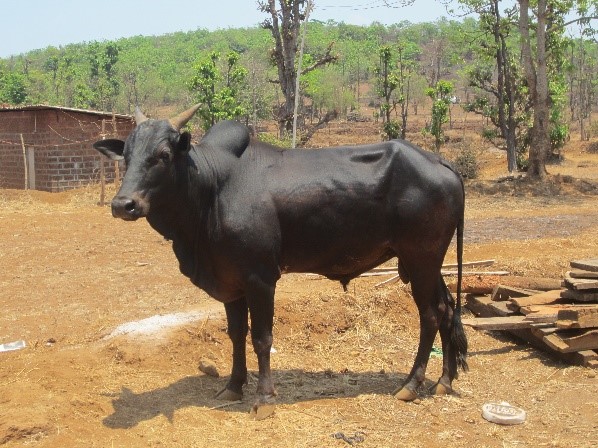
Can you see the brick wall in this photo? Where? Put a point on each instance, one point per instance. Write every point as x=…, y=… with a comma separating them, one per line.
x=60, y=143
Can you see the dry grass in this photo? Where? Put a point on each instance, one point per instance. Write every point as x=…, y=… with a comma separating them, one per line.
x=71, y=274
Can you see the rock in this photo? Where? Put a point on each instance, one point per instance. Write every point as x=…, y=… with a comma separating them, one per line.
x=206, y=366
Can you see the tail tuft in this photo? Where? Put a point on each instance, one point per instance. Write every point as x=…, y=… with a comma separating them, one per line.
x=459, y=340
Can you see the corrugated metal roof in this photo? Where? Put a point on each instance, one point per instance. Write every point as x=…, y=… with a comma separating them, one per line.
x=68, y=109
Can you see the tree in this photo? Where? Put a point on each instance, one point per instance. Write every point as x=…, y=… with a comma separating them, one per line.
x=104, y=85
x=217, y=88
x=441, y=99
x=548, y=28
x=284, y=23
x=499, y=79
x=12, y=88
x=386, y=83
x=582, y=83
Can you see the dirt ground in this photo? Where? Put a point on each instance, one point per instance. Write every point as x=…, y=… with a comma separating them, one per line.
x=115, y=334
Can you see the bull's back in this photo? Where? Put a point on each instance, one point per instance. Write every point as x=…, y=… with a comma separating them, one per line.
x=341, y=210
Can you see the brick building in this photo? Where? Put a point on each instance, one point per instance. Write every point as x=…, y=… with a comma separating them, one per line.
x=49, y=148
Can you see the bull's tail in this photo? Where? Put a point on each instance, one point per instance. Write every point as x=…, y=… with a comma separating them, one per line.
x=458, y=337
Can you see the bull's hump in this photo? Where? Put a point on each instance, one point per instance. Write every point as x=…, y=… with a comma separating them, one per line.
x=227, y=135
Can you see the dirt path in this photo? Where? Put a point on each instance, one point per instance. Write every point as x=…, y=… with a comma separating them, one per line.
x=71, y=275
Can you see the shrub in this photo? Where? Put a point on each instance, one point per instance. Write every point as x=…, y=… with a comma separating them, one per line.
x=466, y=163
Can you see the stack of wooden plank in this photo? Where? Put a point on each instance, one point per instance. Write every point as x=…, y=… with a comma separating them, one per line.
x=561, y=321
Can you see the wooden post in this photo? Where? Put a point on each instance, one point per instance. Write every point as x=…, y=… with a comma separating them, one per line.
x=116, y=166
x=102, y=171
x=25, y=166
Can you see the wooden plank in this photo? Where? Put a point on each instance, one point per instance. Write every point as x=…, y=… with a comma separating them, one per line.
x=587, y=340
x=542, y=317
x=580, y=283
x=579, y=273
x=478, y=305
x=391, y=270
x=499, y=323
x=580, y=296
x=453, y=272
x=541, y=330
x=555, y=343
x=582, y=316
x=486, y=284
x=506, y=292
x=589, y=264
x=484, y=306
x=588, y=355
x=593, y=363
x=469, y=264
x=543, y=298
x=546, y=309
x=500, y=308
x=442, y=272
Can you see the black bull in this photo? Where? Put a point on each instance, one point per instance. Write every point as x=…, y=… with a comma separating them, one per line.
x=241, y=212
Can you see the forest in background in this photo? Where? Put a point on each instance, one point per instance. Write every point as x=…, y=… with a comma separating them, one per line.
x=395, y=70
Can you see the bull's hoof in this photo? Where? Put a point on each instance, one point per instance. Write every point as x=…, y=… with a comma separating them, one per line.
x=229, y=395
x=405, y=394
x=441, y=389
x=263, y=408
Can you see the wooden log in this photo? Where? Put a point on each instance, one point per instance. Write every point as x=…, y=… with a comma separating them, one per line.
x=475, y=284
x=589, y=264
x=580, y=296
x=543, y=298
x=587, y=340
x=580, y=283
x=582, y=316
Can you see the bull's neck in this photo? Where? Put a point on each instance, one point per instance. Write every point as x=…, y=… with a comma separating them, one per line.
x=185, y=214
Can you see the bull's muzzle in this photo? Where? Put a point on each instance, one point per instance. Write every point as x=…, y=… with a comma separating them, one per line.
x=128, y=208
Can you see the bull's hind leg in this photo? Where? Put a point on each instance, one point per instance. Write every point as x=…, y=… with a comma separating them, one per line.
x=426, y=293
x=236, y=316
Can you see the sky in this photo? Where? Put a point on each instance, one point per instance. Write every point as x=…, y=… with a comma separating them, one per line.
x=37, y=24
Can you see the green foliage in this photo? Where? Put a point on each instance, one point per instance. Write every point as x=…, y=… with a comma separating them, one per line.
x=274, y=140
x=394, y=71
x=441, y=99
x=466, y=163
x=392, y=129
x=12, y=88
x=154, y=72
x=216, y=86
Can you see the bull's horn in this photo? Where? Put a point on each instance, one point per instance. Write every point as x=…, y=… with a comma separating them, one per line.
x=181, y=119
x=139, y=117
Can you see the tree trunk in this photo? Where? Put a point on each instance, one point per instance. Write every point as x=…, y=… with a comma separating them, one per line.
x=537, y=80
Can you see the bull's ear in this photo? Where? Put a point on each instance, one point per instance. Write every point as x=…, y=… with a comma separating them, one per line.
x=111, y=148
x=184, y=143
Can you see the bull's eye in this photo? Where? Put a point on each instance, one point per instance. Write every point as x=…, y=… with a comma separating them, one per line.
x=164, y=155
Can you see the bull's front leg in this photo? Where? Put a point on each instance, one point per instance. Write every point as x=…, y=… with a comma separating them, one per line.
x=236, y=316
x=261, y=308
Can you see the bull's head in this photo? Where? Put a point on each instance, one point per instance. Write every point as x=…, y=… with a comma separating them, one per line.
x=150, y=153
